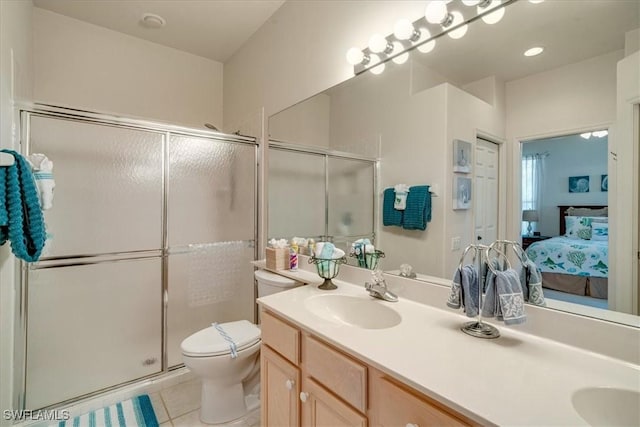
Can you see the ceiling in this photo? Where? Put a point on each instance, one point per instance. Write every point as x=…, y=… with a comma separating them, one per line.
x=214, y=29
x=569, y=30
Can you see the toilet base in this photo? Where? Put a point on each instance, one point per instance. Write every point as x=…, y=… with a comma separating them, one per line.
x=221, y=404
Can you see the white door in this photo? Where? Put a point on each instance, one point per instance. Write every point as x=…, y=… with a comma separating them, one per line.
x=486, y=189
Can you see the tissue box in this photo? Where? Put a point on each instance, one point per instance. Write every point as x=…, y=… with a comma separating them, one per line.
x=277, y=258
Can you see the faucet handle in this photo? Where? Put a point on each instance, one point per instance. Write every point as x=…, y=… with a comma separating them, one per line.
x=377, y=276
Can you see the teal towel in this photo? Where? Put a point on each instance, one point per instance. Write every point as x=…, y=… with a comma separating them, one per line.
x=418, y=211
x=390, y=216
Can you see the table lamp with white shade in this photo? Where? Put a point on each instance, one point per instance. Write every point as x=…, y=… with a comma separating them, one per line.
x=530, y=215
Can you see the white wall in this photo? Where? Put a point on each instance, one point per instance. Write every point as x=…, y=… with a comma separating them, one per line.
x=568, y=156
x=300, y=51
x=16, y=71
x=627, y=149
x=307, y=123
x=85, y=66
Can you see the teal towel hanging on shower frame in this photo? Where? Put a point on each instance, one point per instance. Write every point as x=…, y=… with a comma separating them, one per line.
x=21, y=219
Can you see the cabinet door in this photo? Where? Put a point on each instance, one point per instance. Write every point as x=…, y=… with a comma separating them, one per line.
x=395, y=406
x=280, y=390
x=322, y=409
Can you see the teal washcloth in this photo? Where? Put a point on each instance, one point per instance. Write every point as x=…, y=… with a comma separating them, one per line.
x=390, y=216
x=21, y=219
x=418, y=211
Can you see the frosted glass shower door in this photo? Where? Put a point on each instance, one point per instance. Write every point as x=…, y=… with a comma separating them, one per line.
x=297, y=193
x=351, y=198
x=212, y=223
x=94, y=301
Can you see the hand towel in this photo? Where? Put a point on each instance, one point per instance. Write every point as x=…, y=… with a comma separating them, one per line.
x=531, y=281
x=400, y=200
x=504, y=298
x=390, y=216
x=418, y=211
x=43, y=173
x=464, y=290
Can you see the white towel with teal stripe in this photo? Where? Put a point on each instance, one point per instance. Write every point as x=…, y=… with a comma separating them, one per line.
x=42, y=169
x=135, y=412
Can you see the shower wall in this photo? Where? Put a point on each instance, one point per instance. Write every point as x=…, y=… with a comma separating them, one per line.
x=149, y=240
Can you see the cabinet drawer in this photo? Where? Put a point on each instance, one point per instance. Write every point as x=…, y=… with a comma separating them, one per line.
x=342, y=375
x=400, y=407
x=280, y=336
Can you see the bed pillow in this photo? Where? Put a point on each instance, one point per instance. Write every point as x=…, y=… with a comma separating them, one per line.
x=600, y=231
x=604, y=211
x=578, y=227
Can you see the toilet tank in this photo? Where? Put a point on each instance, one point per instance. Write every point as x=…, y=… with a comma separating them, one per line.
x=270, y=283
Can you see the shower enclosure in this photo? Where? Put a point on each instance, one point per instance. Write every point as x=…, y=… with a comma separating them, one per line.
x=332, y=194
x=150, y=239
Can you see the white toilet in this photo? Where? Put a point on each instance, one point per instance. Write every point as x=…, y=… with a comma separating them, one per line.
x=208, y=354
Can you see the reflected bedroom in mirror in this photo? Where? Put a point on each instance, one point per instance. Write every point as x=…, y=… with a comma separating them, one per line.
x=536, y=149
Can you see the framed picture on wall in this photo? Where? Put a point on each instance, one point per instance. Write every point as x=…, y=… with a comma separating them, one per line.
x=579, y=184
x=604, y=182
x=462, y=156
x=461, y=192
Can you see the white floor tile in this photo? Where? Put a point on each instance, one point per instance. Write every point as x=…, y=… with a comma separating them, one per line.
x=192, y=419
x=182, y=398
x=158, y=407
x=166, y=424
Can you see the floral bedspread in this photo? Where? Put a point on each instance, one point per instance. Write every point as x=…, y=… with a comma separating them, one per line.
x=571, y=256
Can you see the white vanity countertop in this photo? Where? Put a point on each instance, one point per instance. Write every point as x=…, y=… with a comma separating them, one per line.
x=517, y=379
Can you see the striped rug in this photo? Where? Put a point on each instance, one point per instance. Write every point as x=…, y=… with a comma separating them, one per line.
x=136, y=412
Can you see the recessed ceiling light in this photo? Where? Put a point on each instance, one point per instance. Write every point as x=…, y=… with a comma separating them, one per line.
x=534, y=51
x=151, y=20
x=535, y=1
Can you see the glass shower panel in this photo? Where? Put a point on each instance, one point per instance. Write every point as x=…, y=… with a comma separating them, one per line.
x=108, y=195
x=296, y=194
x=211, y=191
x=208, y=283
x=351, y=197
x=92, y=327
x=212, y=217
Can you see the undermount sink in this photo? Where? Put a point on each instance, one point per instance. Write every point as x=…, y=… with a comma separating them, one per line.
x=364, y=313
x=607, y=406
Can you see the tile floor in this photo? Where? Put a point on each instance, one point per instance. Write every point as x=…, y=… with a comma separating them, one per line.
x=179, y=406
x=175, y=399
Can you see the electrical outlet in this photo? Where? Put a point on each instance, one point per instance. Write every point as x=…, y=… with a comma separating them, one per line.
x=455, y=243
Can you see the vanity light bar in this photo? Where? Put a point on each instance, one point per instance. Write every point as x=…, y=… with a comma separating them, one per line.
x=436, y=22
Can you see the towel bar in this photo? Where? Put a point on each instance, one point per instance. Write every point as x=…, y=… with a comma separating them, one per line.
x=433, y=189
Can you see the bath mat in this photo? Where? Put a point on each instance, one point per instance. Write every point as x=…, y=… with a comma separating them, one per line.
x=136, y=412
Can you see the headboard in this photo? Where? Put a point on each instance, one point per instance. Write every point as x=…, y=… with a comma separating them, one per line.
x=563, y=213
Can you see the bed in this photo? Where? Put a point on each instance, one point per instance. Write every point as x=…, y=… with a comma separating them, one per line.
x=571, y=263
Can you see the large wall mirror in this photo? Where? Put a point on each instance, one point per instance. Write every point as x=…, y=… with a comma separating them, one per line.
x=482, y=90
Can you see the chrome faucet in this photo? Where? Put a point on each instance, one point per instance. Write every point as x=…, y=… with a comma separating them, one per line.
x=378, y=289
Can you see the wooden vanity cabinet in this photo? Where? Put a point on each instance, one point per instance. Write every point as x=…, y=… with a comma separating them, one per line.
x=306, y=382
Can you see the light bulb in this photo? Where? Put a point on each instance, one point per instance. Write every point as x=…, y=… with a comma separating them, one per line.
x=426, y=47
x=402, y=58
x=586, y=135
x=470, y=2
x=403, y=30
x=457, y=20
x=355, y=56
x=436, y=11
x=534, y=51
x=376, y=69
x=495, y=16
x=377, y=43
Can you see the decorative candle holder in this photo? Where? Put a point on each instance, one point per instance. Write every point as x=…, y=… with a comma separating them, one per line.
x=327, y=269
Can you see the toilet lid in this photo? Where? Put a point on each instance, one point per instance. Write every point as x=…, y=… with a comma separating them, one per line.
x=212, y=342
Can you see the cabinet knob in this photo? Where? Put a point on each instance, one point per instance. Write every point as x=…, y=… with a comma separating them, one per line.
x=289, y=384
x=412, y=425
x=304, y=396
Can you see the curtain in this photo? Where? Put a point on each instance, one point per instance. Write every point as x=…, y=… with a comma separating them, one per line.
x=532, y=175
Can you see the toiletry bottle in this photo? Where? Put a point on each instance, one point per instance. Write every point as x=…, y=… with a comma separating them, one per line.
x=293, y=258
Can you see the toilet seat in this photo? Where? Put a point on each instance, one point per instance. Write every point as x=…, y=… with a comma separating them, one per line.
x=210, y=343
